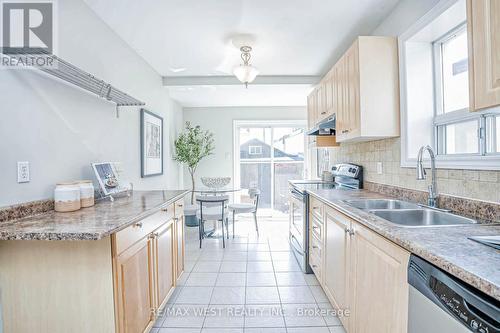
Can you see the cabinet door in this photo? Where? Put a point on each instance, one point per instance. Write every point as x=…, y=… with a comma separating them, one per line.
x=329, y=94
x=311, y=109
x=180, y=245
x=483, y=18
x=336, y=276
x=349, y=78
x=164, y=262
x=134, y=296
x=380, y=294
x=340, y=116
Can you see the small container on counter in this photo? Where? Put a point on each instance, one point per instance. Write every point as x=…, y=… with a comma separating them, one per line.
x=86, y=193
x=67, y=197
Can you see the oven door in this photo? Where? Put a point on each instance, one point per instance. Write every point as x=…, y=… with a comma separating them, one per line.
x=297, y=216
x=298, y=228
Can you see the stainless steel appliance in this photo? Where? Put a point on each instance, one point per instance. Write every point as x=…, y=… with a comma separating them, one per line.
x=441, y=303
x=347, y=177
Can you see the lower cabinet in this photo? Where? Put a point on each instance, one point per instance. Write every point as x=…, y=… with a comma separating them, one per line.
x=379, y=299
x=134, y=286
x=337, y=258
x=164, y=262
x=364, y=273
x=145, y=273
x=179, y=230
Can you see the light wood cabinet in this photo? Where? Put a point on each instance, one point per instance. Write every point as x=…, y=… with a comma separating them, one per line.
x=312, y=102
x=164, y=263
x=181, y=245
x=360, y=89
x=483, y=18
x=135, y=288
x=337, y=259
x=148, y=258
x=379, y=300
x=368, y=90
x=360, y=271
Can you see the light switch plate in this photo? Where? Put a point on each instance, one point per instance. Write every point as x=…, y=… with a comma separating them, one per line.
x=23, y=172
x=379, y=168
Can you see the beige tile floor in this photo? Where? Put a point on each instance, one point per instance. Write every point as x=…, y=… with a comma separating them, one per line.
x=253, y=285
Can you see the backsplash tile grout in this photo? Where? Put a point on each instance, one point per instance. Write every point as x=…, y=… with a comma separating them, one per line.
x=472, y=184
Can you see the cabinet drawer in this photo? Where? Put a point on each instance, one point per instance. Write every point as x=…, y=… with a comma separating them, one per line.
x=315, y=263
x=317, y=228
x=316, y=251
x=316, y=244
x=125, y=238
x=317, y=208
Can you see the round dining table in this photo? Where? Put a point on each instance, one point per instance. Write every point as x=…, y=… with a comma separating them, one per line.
x=204, y=190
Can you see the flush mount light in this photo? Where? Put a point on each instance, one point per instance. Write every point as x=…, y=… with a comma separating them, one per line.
x=245, y=72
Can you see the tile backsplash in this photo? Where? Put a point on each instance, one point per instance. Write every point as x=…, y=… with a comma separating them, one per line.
x=474, y=184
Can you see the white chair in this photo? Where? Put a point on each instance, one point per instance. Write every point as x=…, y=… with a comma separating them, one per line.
x=212, y=208
x=240, y=208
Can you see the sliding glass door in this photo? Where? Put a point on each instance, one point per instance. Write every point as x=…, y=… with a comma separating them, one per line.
x=267, y=155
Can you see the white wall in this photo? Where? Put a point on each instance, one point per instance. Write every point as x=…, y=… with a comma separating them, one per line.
x=220, y=122
x=403, y=16
x=60, y=130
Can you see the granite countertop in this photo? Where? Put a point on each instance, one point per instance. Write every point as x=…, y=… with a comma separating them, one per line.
x=93, y=223
x=446, y=247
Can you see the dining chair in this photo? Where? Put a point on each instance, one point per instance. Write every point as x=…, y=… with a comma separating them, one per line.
x=212, y=208
x=237, y=208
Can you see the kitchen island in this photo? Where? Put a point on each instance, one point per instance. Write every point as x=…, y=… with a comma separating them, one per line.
x=108, y=268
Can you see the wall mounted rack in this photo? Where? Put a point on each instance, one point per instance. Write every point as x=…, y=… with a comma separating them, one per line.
x=67, y=72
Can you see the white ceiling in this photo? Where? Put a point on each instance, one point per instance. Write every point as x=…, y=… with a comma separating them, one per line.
x=293, y=37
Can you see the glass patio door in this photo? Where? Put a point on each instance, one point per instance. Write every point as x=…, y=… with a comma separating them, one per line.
x=266, y=157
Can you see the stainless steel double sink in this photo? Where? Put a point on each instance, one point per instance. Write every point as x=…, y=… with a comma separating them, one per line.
x=408, y=214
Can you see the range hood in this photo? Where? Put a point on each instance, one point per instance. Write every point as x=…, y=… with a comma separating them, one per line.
x=324, y=127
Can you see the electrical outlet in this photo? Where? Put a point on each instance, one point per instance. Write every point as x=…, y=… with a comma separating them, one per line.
x=23, y=172
x=379, y=168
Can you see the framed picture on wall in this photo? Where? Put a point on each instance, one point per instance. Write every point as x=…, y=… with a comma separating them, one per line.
x=151, y=144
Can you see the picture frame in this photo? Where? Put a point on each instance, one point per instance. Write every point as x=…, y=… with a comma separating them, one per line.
x=108, y=177
x=151, y=144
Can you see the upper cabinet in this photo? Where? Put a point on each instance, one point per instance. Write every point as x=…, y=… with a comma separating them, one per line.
x=361, y=89
x=483, y=18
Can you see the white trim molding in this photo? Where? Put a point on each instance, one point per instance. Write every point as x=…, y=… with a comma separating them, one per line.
x=479, y=161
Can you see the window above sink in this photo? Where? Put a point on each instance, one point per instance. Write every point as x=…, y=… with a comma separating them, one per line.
x=434, y=82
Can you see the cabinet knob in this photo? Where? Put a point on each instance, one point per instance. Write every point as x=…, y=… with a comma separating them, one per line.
x=180, y=205
x=315, y=247
x=314, y=266
x=165, y=209
x=346, y=230
x=351, y=232
x=138, y=225
x=156, y=235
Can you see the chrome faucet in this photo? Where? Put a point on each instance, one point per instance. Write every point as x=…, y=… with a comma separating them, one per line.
x=432, y=201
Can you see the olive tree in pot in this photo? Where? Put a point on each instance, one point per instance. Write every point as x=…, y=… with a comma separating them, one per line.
x=191, y=147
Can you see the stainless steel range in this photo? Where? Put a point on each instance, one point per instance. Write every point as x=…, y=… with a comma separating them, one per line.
x=347, y=177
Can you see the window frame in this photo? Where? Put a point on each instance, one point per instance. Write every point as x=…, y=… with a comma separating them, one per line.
x=480, y=161
x=254, y=153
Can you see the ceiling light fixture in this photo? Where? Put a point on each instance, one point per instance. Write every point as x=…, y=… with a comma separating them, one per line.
x=245, y=72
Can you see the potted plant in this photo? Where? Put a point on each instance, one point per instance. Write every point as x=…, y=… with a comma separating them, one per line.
x=191, y=147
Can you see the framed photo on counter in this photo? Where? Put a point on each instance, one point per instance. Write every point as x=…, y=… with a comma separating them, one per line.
x=151, y=144
x=109, y=179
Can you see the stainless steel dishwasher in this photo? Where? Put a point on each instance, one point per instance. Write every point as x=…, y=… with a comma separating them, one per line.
x=440, y=303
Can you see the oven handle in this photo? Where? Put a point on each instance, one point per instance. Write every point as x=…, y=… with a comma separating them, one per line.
x=297, y=195
x=295, y=244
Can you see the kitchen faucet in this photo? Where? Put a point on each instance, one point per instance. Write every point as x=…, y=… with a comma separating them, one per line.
x=432, y=201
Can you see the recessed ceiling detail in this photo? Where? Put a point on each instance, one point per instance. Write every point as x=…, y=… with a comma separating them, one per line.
x=298, y=38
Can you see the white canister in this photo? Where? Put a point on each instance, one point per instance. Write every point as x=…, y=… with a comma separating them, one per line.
x=86, y=193
x=67, y=197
